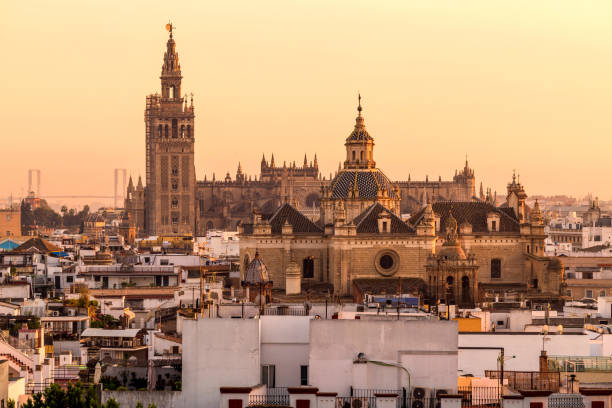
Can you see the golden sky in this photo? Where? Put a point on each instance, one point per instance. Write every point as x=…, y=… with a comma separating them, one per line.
x=514, y=84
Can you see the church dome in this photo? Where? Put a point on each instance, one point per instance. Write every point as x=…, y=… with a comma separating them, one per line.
x=257, y=272
x=362, y=183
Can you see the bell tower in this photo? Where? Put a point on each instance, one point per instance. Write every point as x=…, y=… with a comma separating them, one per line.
x=171, y=180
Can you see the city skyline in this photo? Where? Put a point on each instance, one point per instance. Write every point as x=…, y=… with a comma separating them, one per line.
x=540, y=114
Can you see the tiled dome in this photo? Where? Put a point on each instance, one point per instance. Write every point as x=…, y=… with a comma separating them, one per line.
x=359, y=133
x=257, y=272
x=366, y=182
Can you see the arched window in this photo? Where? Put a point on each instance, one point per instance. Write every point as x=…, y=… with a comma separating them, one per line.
x=171, y=92
x=353, y=155
x=189, y=131
x=361, y=155
x=210, y=225
x=308, y=267
x=174, y=128
x=182, y=130
x=159, y=131
x=166, y=130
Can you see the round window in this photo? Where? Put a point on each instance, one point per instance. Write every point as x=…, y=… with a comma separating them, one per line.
x=386, y=262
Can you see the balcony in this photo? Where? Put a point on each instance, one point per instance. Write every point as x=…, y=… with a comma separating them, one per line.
x=580, y=364
x=529, y=380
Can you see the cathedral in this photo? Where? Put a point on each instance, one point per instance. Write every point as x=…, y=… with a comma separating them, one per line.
x=348, y=232
x=452, y=251
x=173, y=202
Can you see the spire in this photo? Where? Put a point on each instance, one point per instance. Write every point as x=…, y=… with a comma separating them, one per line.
x=360, y=131
x=316, y=163
x=481, y=192
x=305, y=161
x=171, y=74
x=130, y=186
x=272, y=161
x=263, y=160
x=139, y=186
x=171, y=66
x=536, y=214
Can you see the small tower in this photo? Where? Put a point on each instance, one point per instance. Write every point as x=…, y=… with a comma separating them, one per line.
x=359, y=145
x=516, y=198
x=239, y=174
x=452, y=273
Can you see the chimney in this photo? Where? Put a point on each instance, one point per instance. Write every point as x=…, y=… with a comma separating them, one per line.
x=543, y=361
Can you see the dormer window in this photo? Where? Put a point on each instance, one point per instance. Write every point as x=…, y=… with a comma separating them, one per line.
x=384, y=223
x=493, y=222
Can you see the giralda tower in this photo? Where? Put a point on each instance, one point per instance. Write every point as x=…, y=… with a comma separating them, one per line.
x=169, y=121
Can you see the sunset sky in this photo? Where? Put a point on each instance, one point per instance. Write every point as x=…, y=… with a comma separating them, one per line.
x=514, y=84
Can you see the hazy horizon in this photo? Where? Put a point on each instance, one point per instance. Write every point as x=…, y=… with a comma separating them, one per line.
x=520, y=85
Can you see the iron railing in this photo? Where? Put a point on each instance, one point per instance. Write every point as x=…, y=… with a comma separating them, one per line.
x=529, y=380
x=471, y=397
x=579, y=363
x=269, y=400
x=284, y=311
x=355, y=402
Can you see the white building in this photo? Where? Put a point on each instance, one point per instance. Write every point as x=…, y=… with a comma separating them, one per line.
x=220, y=244
x=332, y=355
x=480, y=351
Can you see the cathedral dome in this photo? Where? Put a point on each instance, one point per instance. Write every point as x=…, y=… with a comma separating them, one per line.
x=362, y=183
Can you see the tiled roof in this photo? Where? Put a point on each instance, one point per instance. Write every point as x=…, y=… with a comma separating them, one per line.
x=359, y=134
x=37, y=244
x=475, y=213
x=300, y=223
x=367, y=221
x=367, y=182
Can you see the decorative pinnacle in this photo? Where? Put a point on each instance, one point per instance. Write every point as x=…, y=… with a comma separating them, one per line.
x=359, y=108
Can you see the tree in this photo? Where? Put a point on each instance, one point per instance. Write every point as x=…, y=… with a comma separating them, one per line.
x=111, y=403
x=27, y=217
x=75, y=396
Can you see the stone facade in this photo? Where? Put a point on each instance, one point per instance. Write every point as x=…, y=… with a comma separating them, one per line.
x=482, y=251
x=10, y=222
x=172, y=202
